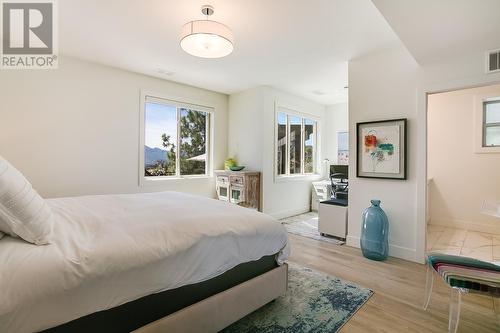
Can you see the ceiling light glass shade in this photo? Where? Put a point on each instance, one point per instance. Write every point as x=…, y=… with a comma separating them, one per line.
x=207, y=39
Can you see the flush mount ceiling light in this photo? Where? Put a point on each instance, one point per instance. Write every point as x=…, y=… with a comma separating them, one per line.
x=206, y=38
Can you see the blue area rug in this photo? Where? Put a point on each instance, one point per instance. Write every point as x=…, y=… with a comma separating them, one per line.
x=314, y=302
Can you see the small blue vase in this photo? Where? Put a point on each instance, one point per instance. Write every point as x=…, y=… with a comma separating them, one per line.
x=374, y=232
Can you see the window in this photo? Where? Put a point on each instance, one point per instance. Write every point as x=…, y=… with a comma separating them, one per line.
x=295, y=145
x=343, y=148
x=491, y=123
x=309, y=140
x=176, y=139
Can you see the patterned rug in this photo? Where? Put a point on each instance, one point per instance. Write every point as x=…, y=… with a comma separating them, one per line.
x=306, y=225
x=314, y=302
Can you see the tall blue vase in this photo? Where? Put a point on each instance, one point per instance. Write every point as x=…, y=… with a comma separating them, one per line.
x=374, y=232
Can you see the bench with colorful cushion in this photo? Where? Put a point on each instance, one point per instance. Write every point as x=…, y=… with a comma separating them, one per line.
x=463, y=275
x=467, y=273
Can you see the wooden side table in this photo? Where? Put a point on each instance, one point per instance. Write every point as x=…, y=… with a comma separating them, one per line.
x=239, y=187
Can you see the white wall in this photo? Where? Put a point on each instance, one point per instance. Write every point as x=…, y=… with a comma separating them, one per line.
x=251, y=140
x=383, y=85
x=244, y=130
x=75, y=130
x=465, y=71
x=462, y=179
x=337, y=120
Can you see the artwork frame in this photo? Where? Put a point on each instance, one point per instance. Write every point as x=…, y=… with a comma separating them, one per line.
x=381, y=149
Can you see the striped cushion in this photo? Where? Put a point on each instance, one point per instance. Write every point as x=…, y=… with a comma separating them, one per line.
x=467, y=273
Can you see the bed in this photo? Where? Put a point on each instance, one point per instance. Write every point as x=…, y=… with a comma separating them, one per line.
x=149, y=262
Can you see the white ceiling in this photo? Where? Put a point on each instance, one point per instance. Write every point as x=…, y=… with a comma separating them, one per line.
x=435, y=31
x=299, y=46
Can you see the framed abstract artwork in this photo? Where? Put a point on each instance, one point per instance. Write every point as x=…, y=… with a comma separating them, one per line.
x=381, y=149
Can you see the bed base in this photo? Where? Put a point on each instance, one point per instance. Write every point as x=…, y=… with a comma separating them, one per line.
x=221, y=310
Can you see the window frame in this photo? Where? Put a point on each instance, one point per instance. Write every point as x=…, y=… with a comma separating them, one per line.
x=486, y=125
x=479, y=121
x=316, y=146
x=147, y=96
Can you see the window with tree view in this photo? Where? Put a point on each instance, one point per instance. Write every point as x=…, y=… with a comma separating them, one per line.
x=295, y=145
x=175, y=139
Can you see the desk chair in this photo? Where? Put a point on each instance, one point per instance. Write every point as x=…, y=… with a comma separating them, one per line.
x=340, y=188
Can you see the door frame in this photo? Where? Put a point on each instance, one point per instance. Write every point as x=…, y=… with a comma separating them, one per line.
x=422, y=107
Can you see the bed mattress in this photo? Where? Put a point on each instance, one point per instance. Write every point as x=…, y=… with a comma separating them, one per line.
x=113, y=249
x=136, y=314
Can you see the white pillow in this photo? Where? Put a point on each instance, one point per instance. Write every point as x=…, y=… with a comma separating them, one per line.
x=23, y=213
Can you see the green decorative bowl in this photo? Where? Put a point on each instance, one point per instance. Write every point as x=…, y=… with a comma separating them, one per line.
x=237, y=168
x=230, y=162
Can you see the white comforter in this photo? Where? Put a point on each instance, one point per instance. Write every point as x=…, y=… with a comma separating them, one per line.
x=109, y=250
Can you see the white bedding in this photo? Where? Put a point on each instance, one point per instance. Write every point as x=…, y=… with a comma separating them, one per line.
x=109, y=250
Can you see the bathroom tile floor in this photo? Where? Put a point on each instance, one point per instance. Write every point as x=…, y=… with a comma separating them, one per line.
x=467, y=243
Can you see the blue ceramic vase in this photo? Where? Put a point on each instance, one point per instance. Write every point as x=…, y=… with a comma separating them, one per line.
x=374, y=232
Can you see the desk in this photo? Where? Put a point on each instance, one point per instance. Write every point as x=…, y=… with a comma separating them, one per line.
x=321, y=191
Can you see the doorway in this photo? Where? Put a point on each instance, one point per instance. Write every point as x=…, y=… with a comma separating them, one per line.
x=463, y=177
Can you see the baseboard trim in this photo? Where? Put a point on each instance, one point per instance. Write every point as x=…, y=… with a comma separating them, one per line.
x=460, y=224
x=352, y=241
x=394, y=250
x=291, y=212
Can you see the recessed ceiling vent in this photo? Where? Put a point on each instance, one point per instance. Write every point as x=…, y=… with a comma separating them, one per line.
x=493, y=61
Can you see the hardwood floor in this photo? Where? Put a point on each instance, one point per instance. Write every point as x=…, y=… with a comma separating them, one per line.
x=399, y=288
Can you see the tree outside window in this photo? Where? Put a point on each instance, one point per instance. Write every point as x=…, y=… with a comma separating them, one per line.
x=176, y=140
